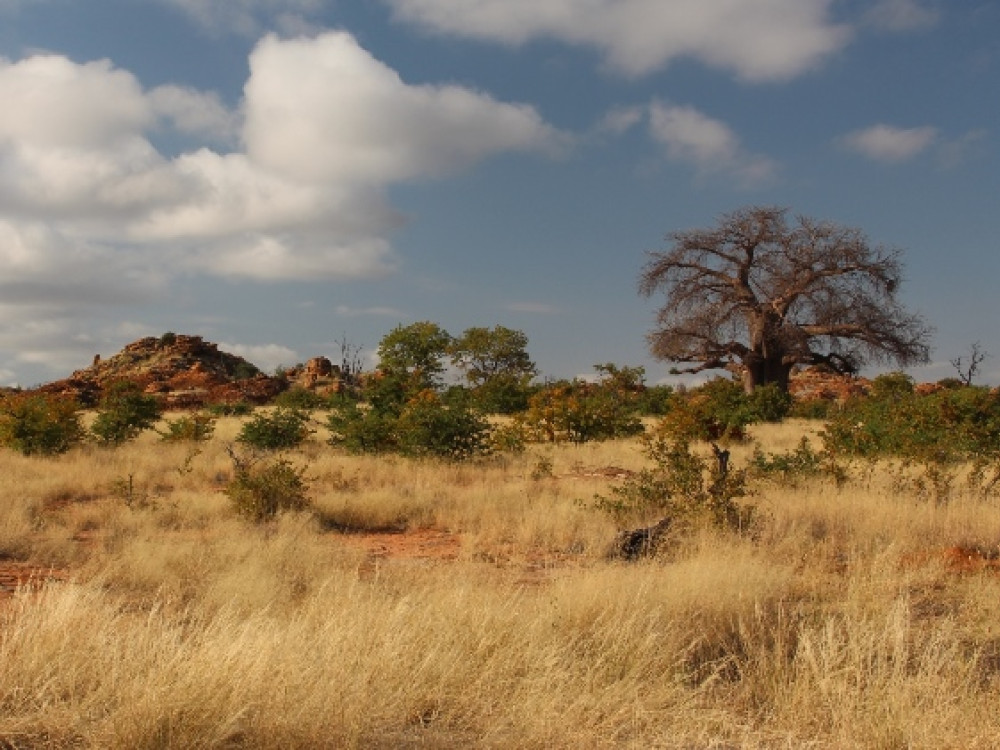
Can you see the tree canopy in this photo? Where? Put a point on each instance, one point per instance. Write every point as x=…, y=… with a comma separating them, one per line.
x=758, y=294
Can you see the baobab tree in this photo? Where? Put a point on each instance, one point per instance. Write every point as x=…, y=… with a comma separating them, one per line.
x=757, y=295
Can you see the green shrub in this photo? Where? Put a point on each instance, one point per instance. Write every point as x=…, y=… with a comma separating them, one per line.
x=231, y=409
x=719, y=409
x=361, y=430
x=936, y=433
x=260, y=491
x=425, y=426
x=38, y=423
x=804, y=462
x=656, y=400
x=581, y=412
x=282, y=428
x=511, y=437
x=301, y=399
x=686, y=488
x=429, y=427
x=769, y=403
x=812, y=408
x=124, y=412
x=189, y=428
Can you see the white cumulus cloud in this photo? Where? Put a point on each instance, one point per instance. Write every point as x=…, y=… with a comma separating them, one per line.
x=246, y=16
x=324, y=109
x=887, y=143
x=267, y=357
x=758, y=40
x=291, y=185
x=709, y=145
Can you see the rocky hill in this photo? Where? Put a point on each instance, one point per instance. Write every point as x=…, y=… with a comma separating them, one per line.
x=184, y=371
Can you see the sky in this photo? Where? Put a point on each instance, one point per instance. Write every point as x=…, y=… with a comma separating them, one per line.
x=284, y=176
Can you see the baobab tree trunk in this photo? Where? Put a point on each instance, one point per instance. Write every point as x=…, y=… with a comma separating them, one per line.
x=760, y=371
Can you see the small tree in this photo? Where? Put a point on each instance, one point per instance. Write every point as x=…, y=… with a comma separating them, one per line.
x=497, y=367
x=758, y=295
x=418, y=350
x=38, y=423
x=124, y=412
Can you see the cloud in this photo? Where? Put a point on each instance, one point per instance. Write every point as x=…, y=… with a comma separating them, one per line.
x=887, y=143
x=324, y=109
x=93, y=215
x=247, y=17
x=195, y=113
x=621, y=119
x=709, y=145
x=901, y=15
x=758, y=40
x=51, y=101
x=957, y=151
x=267, y=357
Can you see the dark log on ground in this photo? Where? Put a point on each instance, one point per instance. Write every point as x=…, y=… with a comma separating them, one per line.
x=633, y=544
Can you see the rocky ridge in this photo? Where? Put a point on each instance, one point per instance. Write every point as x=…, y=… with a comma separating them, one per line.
x=187, y=372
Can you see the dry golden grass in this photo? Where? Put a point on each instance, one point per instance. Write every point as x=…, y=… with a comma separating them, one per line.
x=840, y=623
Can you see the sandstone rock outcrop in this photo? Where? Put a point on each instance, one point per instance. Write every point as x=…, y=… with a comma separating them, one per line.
x=183, y=371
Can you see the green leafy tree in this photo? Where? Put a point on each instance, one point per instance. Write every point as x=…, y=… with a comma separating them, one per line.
x=39, y=423
x=417, y=351
x=496, y=366
x=124, y=412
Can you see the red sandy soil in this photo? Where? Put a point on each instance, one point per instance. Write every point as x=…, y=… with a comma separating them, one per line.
x=436, y=546
x=16, y=576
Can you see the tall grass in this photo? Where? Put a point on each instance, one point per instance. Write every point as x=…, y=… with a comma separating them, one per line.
x=836, y=624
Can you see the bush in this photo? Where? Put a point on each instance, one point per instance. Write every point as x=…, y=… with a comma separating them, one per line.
x=687, y=489
x=720, y=409
x=282, y=428
x=124, y=412
x=300, y=398
x=656, y=400
x=37, y=423
x=812, y=408
x=189, y=428
x=245, y=371
x=804, y=462
x=581, y=412
x=260, y=492
x=769, y=403
x=937, y=432
x=428, y=427
x=360, y=430
x=231, y=409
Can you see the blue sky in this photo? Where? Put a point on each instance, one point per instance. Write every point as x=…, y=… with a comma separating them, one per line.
x=278, y=175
